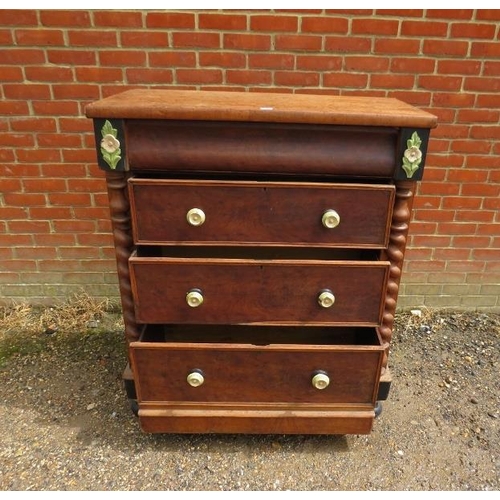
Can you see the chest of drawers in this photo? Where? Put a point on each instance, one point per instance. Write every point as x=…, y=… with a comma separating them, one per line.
x=259, y=241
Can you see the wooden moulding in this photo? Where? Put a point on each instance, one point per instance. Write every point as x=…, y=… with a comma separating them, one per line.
x=159, y=104
x=255, y=419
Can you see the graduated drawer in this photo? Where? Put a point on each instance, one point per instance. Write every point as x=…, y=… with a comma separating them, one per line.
x=269, y=213
x=224, y=372
x=242, y=291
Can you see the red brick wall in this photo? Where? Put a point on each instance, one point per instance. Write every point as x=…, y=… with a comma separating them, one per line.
x=55, y=234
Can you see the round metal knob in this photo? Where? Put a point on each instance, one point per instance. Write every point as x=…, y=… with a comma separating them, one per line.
x=195, y=379
x=320, y=381
x=330, y=219
x=326, y=299
x=194, y=298
x=195, y=216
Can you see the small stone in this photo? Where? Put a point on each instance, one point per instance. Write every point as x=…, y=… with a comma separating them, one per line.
x=473, y=400
x=50, y=330
x=400, y=453
x=416, y=312
x=91, y=406
x=492, y=415
x=92, y=324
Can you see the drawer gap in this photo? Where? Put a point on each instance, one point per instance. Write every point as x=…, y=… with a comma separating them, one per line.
x=261, y=335
x=259, y=253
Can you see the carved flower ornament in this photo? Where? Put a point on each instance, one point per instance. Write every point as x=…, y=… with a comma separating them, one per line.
x=412, y=155
x=110, y=145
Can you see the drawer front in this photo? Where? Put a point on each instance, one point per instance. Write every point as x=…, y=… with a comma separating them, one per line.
x=246, y=373
x=226, y=212
x=250, y=292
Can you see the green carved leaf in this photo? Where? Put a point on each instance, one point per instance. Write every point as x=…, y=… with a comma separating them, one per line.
x=108, y=129
x=111, y=159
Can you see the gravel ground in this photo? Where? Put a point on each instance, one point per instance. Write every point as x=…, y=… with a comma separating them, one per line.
x=66, y=424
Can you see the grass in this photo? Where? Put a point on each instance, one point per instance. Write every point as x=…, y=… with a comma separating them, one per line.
x=26, y=329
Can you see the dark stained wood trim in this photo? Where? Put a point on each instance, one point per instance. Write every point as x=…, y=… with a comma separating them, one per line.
x=405, y=192
x=120, y=218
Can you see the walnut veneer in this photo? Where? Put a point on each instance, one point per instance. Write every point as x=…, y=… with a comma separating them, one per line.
x=260, y=240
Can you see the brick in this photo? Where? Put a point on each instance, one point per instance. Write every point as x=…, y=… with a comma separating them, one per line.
x=71, y=57
x=485, y=50
x=448, y=83
x=316, y=62
x=122, y=58
x=246, y=41
x=484, y=132
x=324, y=24
x=345, y=80
x=17, y=140
x=79, y=18
x=486, y=254
x=50, y=213
x=27, y=91
x=144, y=39
x=414, y=97
x=55, y=108
x=48, y=74
x=450, y=13
x=392, y=81
x=364, y=63
x=7, y=155
x=117, y=19
x=196, y=76
x=459, y=67
x=223, y=22
x=87, y=185
x=460, y=202
x=465, y=175
x=55, y=170
x=175, y=58
x=78, y=156
x=472, y=30
x=18, y=265
x=483, y=216
x=36, y=253
x=38, y=155
x=11, y=184
x=371, y=26
x=92, y=38
x=169, y=20
x=445, y=48
x=69, y=199
x=491, y=68
x=412, y=65
x=39, y=37
x=22, y=56
x=28, y=226
x=24, y=199
x=142, y=75
x=78, y=253
x=199, y=39
x=297, y=78
x=488, y=14
x=75, y=124
x=348, y=44
x=98, y=74
x=424, y=28
x=59, y=139
x=400, y=12
x=471, y=146
x=479, y=84
x=453, y=99
x=451, y=131
x=471, y=241
x=43, y=185
x=74, y=226
x=397, y=46
x=298, y=42
x=223, y=59
x=12, y=17
x=11, y=74
x=249, y=77
x=76, y=91
x=273, y=23
x=488, y=101
x=483, y=190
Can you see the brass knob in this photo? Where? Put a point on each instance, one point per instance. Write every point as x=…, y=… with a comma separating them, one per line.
x=195, y=379
x=326, y=299
x=330, y=219
x=194, y=298
x=320, y=381
x=195, y=216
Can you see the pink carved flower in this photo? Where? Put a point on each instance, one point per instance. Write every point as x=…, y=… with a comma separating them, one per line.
x=413, y=154
x=110, y=143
